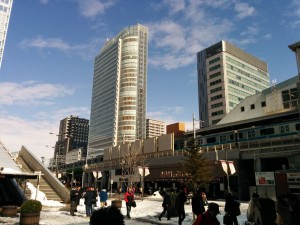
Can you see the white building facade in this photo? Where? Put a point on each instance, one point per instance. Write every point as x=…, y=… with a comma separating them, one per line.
x=155, y=128
x=226, y=76
x=118, y=109
x=5, y=10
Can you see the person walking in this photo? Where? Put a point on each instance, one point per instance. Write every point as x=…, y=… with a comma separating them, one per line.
x=103, y=198
x=210, y=216
x=179, y=204
x=95, y=198
x=253, y=211
x=166, y=205
x=74, y=197
x=282, y=211
x=88, y=201
x=129, y=198
x=294, y=207
x=232, y=209
x=197, y=204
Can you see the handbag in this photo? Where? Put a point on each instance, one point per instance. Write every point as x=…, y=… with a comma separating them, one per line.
x=133, y=204
x=227, y=219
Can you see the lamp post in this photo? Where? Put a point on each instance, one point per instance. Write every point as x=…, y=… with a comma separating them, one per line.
x=200, y=124
x=143, y=171
x=85, y=167
x=227, y=174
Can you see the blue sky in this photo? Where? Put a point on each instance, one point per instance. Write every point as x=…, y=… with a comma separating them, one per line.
x=47, y=69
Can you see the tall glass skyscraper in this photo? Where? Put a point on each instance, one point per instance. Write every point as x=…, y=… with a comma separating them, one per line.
x=5, y=9
x=118, y=109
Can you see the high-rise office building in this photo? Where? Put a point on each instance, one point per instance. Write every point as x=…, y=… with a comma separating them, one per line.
x=155, y=128
x=73, y=134
x=226, y=76
x=118, y=109
x=5, y=9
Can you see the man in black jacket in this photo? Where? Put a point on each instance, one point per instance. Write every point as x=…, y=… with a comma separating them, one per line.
x=179, y=204
x=74, y=197
x=166, y=205
x=197, y=204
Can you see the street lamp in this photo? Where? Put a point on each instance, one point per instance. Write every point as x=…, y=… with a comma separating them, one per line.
x=143, y=171
x=85, y=167
x=200, y=124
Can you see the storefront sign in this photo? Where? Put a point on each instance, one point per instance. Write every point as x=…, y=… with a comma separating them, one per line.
x=265, y=178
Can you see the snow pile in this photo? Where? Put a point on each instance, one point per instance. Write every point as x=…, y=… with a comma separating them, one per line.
x=40, y=196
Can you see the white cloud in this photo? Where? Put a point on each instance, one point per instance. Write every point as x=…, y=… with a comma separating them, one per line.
x=267, y=36
x=31, y=93
x=92, y=8
x=244, y=10
x=175, y=5
x=293, y=14
x=85, y=51
x=44, y=2
x=32, y=134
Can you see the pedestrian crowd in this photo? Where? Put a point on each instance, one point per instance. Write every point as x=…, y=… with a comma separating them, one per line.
x=261, y=211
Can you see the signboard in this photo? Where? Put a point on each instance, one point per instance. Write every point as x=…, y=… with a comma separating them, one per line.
x=264, y=178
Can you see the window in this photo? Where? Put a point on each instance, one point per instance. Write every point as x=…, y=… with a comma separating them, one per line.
x=266, y=131
x=217, y=113
x=252, y=106
x=214, y=60
x=215, y=89
x=263, y=104
x=211, y=140
x=242, y=109
x=215, y=97
x=215, y=82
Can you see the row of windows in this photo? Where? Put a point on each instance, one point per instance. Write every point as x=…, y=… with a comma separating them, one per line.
x=235, y=98
x=238, y=92
x=215, y=75
x=217, y=105
x=215, y=89
x=217, y=113
x=251, y=76
x=215, y=67
x=247, y=81
x=215, y=97
x=215, y=121
x=215, y=82
x=214, y=60
x=252, y=106
x=258, y=72
x=235, y=83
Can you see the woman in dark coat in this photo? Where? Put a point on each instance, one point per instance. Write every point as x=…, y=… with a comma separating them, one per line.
x=231, y=209
x=88, y=201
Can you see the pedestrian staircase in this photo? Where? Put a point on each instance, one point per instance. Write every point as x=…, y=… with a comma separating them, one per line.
x=43, y=185
x=48, y=184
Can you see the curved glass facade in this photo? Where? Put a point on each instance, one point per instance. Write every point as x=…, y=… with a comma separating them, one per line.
x=118, y=111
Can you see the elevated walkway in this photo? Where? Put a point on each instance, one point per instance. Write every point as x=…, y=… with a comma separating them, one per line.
x=49, y=184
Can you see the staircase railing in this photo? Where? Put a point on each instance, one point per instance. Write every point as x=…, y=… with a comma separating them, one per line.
x=35, y=165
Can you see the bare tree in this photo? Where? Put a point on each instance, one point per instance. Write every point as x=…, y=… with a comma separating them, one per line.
x=132, y=158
